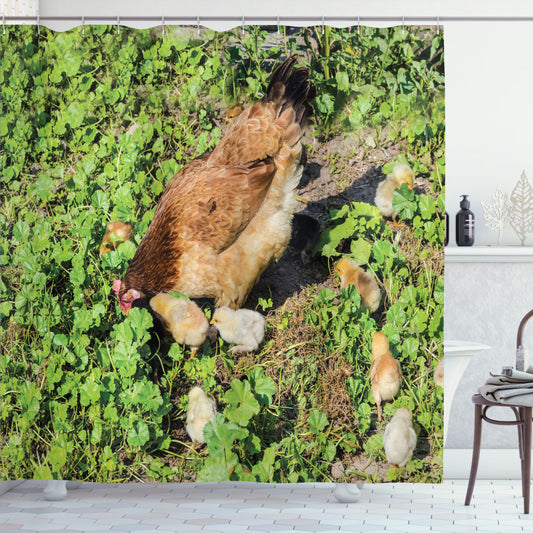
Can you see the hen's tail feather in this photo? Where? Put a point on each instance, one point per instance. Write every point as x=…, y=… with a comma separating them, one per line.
x=292, y=89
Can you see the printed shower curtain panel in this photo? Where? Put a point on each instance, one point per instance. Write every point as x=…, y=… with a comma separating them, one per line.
x=119, y=362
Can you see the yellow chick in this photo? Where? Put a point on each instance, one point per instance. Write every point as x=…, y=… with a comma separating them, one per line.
x=438, y=373
x=383, y=199
x=233, y=112
x=201, y=410
x=365, y=284
x=399, y=439
x=115, y=233
x=385, y=374
x=244, y=327
x=185, y=320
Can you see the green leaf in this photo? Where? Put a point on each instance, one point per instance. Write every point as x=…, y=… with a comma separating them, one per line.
x=100, y=200
x=77, y=276
x=382, y=250
x=317, y=421
x=21, y=231
x=343, y=81
x=242, y=403
x=43, y=186
x=410, y=348
x=408, y=297
x=427, y=207
x=75, y=114
x=220, y=435
x=403, y=202
x=89, y=393
x=360, y=250
x=264, y=471
x=57, y=457
x=263, y=386
x=139, y=434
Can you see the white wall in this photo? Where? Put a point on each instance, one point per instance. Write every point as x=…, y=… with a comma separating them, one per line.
x=489, y=112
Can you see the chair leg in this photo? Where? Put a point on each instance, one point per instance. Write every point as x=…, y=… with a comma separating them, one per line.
x=526, y=472
x=475, y=453
x=520, y=418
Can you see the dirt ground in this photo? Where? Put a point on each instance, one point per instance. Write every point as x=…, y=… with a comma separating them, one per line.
x=352, y=177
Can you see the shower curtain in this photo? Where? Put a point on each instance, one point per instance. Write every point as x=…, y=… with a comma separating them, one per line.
x=94, y=123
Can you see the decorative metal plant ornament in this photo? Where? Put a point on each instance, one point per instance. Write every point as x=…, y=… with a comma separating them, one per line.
x=496, y=213
x=517, y=210
x=521, y=208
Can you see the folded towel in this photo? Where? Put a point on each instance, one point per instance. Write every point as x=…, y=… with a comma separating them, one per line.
x=512, y=387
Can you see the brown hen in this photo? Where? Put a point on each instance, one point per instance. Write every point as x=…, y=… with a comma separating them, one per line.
x=227, y=214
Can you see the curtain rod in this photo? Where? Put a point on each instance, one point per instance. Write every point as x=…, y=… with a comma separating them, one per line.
x=239, y=20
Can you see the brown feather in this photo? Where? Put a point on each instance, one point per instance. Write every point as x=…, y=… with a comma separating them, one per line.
x=225, y=216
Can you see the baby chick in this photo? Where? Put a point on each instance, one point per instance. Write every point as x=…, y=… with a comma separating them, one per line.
x=365, y=284
x=385, y=375
x=438, y=373
x=233, y=112
x=399, y=439
x=115, y=233
x=383, y=199
x=244, y=327
x=184, y=318
x=201, y=410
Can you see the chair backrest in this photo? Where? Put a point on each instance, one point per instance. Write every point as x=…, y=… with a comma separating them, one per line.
x=521, y=328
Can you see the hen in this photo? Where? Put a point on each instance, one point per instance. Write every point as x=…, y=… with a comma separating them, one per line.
x=227, y=214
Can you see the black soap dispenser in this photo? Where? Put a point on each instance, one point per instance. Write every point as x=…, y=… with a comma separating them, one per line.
x=464, y=224
x=446, y=224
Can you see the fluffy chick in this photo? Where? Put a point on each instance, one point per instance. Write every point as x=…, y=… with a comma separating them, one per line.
x=365, y=284
x=385, y=374
x=115, y=233
x=185, y=320
x=399, y=439
x=201, y=410
x=244, y=327
x=400, y=174
x=438, y=373
x=233, y=112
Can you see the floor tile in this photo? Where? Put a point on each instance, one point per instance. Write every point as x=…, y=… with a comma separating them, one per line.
x=247, y=507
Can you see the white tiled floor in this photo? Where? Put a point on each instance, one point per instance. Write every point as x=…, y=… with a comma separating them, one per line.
x=248, y=507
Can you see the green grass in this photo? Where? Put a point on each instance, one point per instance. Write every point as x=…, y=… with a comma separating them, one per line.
x=93, y=127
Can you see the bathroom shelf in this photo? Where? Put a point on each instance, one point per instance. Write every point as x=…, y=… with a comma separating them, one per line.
x=488, y=254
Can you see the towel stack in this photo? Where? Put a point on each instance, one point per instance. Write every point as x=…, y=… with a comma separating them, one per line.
x=510, y=387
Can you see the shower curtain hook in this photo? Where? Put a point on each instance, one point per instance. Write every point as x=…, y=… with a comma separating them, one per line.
x=163, y=25
x=322, y=24
x=118, y=25
x=359, y=26
x=38, y=25
x=198, y=25
x=279, y=33
x=438, y=25
x=242, y=27
x=4, y=24
x=403, y=24
x=82, y=25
